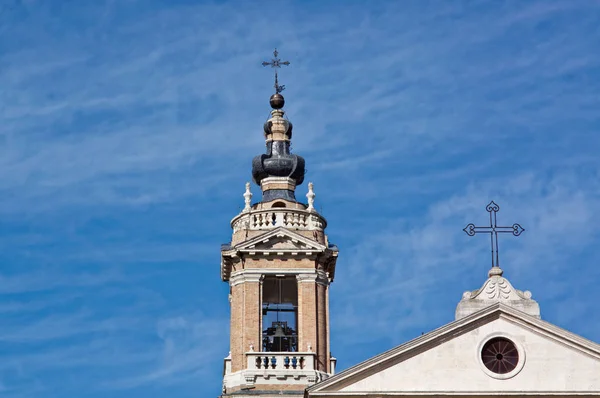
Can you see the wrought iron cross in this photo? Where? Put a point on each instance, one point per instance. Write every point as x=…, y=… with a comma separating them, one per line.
x=276, y=63
x=493, y=230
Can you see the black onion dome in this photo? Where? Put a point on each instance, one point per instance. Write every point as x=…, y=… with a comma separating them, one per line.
x=258, y=171
x=278, y=161
x=299, y=170
x=267, y=127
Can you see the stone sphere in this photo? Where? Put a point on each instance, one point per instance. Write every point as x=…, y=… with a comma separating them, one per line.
x=277, y=101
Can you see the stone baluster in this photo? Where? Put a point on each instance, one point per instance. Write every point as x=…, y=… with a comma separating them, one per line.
x=279, y=219
x=247, y=197
x=286, y=219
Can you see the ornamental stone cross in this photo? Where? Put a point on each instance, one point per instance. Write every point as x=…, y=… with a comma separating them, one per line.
x=493, y=230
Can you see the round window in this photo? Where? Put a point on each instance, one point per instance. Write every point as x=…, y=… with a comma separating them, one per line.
x=500, y=355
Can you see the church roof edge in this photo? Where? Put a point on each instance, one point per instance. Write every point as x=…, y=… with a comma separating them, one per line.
x=492, y=312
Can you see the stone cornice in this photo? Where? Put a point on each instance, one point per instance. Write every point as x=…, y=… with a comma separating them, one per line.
x=319, y=277
x=244, y=277
x=281, y=232
x=258, y=248
x=303, y=275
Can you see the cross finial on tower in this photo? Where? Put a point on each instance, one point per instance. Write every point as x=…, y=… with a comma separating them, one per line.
x=493, y=230
x=276, y=63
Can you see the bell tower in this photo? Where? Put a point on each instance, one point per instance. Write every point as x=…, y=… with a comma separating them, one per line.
x=279, y=265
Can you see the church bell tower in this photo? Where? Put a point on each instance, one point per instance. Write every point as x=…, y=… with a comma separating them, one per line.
x=279, y=265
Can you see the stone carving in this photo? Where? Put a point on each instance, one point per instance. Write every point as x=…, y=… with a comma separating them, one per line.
x=311, y=197
x=496, y=289
x=247, y=197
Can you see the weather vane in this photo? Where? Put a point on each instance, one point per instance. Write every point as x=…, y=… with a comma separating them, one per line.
x=493, y=230
x=276, y=63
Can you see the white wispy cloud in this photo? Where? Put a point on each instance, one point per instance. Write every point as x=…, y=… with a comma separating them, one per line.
x=410, y=274
x=127, y=134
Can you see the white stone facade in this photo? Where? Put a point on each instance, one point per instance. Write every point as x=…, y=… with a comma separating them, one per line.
x=448, y=361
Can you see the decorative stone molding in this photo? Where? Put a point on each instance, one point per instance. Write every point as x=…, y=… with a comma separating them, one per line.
x=272, y=368
x=281, y=244
x=323, y=277
x=243, y=277
x=278, y=217
x=319, y=277
x=278, y=183
x=306, y=278
x=496, y=289
x=258, y=274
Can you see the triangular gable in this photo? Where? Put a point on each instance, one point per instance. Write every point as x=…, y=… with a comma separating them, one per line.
x=446, y=361
x=279, y=240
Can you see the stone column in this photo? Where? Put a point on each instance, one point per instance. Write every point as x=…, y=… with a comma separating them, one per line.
x=322, y=326
x=307, y=312
x=245, y=317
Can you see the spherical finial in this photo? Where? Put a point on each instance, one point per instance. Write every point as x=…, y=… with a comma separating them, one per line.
x=277, y=101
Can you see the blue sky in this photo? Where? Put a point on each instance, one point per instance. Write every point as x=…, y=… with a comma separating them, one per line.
x=128, y=128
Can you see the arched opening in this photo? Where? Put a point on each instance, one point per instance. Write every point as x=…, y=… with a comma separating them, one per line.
x=280, y=314
x=277, y=204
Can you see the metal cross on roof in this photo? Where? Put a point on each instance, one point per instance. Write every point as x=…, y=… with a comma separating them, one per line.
x=276, y=63
x=493, y=230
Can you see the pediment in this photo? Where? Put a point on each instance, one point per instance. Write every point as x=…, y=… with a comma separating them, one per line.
x=278, y=243
x=497, y=289
x=280, y=240
x=447, y=361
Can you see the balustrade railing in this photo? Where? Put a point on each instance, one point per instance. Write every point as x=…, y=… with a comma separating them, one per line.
x=273, y=218
x=281, y=361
